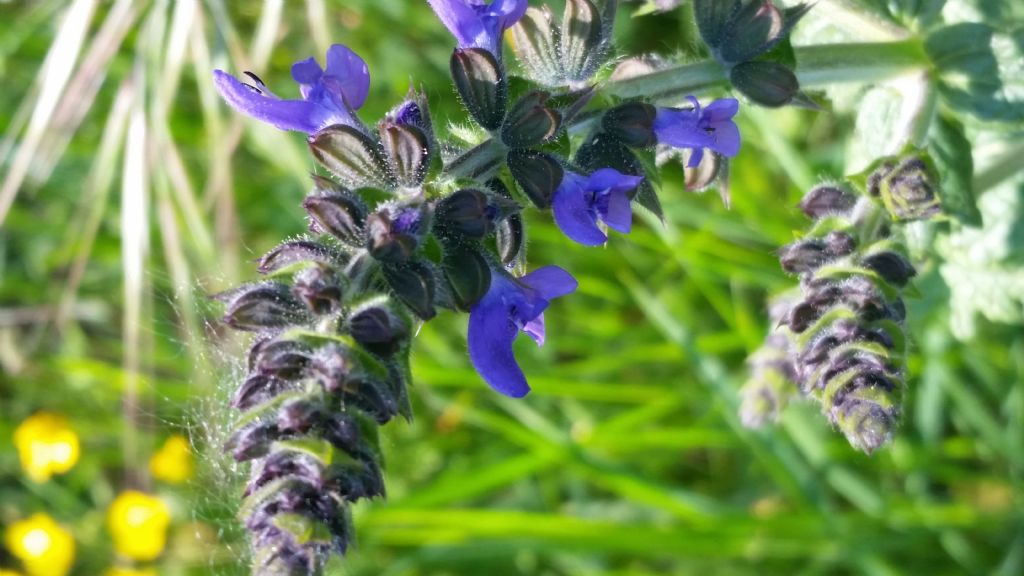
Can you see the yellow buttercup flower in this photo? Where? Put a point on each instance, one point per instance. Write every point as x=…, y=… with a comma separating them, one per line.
x=44, y=548
x=8, y=573
x=138, y=524
x=46, y=446
x=173, y=462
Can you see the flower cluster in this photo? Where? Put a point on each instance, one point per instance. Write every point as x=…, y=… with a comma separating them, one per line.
x=841, y=340
x=395, y=236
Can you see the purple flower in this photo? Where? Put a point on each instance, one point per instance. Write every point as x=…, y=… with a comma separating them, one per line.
x=580, y=201
x=511, y=305
x=328, y=96
x=477, y=24
x=711, y=127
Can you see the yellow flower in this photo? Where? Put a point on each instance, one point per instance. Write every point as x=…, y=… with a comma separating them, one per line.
x=173, y=462
x=138, y=524
x=126, y=572
x=46, y=446
x=44, y=548
x=8, y=573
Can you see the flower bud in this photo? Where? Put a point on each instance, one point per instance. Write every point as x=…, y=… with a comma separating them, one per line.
x=408, y=152
x=252, y=441
x=257, y=389
x=767, y=83
x=413, y=283
x=632, y=124
x=909, y=190
x=319, y=289
x=465, y=212
x=341, y=215
x=530, y=122
x=803, y=256
x=892, y=267
x=414, y=111
x=394, y=236
x=827, y=199
x=868, y=414
x=297, y=251
x=468, y=275
x=260, y=306
x=331, y=367
x=379, y=329
x=372, y=397
x=480, y=82
x=299, y=415
x=839, y=244
x=351, y=155
x=285, y=359
x=741, y=30
x=538, y=174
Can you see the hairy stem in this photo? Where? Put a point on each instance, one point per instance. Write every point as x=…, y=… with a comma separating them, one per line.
x=816, y=66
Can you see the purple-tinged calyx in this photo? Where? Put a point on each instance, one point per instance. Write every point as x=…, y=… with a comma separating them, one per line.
x=581, y=202
x=699, y=128
x=478, y=23
x=512, y=305
x=329, y=96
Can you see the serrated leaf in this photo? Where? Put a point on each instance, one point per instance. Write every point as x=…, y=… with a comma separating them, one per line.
x=950, y=152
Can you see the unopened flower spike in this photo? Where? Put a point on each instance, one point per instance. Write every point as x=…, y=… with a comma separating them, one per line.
x=329, y=95
x=478, y=23
x=512, y=305
x=581, y=202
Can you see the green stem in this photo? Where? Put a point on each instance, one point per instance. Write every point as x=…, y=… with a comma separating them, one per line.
x=816, y=66
x=477, y=161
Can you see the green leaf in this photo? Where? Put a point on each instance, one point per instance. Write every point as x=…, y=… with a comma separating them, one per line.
x=950, y=152
x=980, y=73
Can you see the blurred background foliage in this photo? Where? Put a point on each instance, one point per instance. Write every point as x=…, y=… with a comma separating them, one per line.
x=130, y=193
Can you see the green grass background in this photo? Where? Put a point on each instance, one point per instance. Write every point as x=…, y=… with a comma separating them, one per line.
x=627, y=459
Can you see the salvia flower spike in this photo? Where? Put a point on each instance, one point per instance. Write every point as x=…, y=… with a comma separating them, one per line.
x=403, y=226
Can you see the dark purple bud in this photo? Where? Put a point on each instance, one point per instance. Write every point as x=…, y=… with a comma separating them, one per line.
x=538, y=175
x=530, y=122
x=261, y=306
x=803, y=315
x=285, y=463
x=285, y=359
x=352, y=156
x=839, y=244
x=767, y=83
x=874, y=182
x=408, y=152
x=827, y=199
x=300, y=415
x=252, y=441
x=379, y=329
x=297, y=251
x=465, y=212
x=892, y=267
x=480, y=82
x=467, y=273
x=340, y=214
x=257, y=389
x=413, y=283
x=803, y=256
x=372, y=397
x=342, y=431
x=319, y=289
x=331, y=367
x=388, y=242
x=632, y=123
